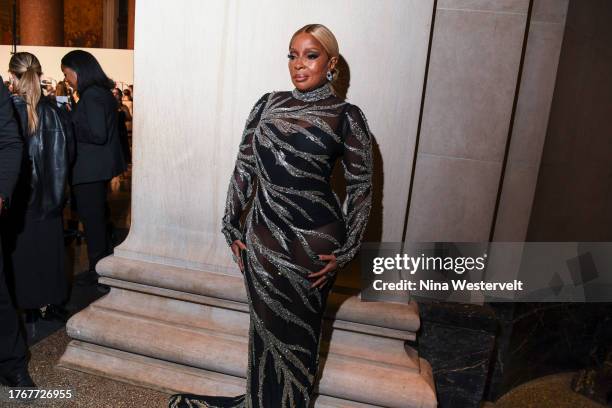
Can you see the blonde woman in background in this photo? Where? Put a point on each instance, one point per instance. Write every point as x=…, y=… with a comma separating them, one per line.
x=33, y=238
x=295, y=235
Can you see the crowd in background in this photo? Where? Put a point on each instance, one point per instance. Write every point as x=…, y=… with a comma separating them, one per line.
x=58, y=144
x=124, y=102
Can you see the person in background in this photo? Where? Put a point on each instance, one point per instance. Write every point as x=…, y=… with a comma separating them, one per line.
x=61, y=89
x=123, y=119
x=13, y=359
x=62, y=96
x=99, y=157
x=127, y=100
x=34, y=234
x=49, y=90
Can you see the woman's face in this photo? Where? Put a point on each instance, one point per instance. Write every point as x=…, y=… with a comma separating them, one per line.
x=308, y=62
x=117, y=95
x=71, y=76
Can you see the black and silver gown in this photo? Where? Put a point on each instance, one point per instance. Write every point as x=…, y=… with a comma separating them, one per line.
x=285, y=161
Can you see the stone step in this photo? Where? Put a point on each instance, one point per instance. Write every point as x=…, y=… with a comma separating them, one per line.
x=165, y=376
x=356, y=366
x=235, y=323
x=232, y=305
x=344, y=306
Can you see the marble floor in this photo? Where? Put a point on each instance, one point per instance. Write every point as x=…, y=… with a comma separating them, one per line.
x=98, y=392
x=552, y=391
x=89, y=391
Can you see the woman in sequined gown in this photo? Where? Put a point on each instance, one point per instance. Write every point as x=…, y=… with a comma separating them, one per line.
x=295, y=234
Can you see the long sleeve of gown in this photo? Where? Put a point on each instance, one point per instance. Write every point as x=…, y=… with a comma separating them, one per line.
x=357, y=164
x=243, y=178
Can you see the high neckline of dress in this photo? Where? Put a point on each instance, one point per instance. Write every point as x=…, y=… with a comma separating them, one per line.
x=317, y=94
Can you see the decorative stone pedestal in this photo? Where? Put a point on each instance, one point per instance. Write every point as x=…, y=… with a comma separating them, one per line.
x=178, y=330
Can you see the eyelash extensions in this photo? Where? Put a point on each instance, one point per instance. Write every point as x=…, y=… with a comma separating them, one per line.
x=310, y=56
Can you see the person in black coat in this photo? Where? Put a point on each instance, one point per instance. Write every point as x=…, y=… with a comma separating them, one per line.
x=99, y=157
x=124, y=117
x=33, y=235
x=13, y=362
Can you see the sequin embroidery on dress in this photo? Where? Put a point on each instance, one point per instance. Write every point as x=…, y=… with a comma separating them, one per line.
x=285, y=160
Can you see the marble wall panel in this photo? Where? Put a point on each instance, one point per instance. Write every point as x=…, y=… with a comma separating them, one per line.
x=550, y=11
x=471, y=84
x=515, y=204
x=453, y=197
x=508, y=6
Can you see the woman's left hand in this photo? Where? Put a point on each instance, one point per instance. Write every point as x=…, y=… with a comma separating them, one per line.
x=324, y=274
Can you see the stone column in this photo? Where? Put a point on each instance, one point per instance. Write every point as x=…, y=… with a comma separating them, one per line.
x=474, y=66
x=109, y=23
x=41, y=22
x=472, y=149
x=176, y=317
x=131, y=12
x=489, y=89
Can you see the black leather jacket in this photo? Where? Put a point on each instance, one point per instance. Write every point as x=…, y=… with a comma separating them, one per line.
x=48, y=154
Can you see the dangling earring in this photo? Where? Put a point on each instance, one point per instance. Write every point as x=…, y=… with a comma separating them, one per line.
x=329, y=76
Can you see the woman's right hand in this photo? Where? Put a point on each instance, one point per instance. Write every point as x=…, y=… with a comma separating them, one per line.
x=236, y=247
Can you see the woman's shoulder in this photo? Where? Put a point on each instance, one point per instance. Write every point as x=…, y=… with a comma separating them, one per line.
x=354, y=119
x=261, y=101
x=351, y=108
x=95, y=92
x=47, y=104
x=265, y=97
x=48, y=108
x=354, y=112
x=20, y=108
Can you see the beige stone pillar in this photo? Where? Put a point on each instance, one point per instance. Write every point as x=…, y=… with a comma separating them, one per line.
x=41, y=22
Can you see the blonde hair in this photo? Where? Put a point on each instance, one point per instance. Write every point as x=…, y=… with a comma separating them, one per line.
x=27, y=69
x=327, y=40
